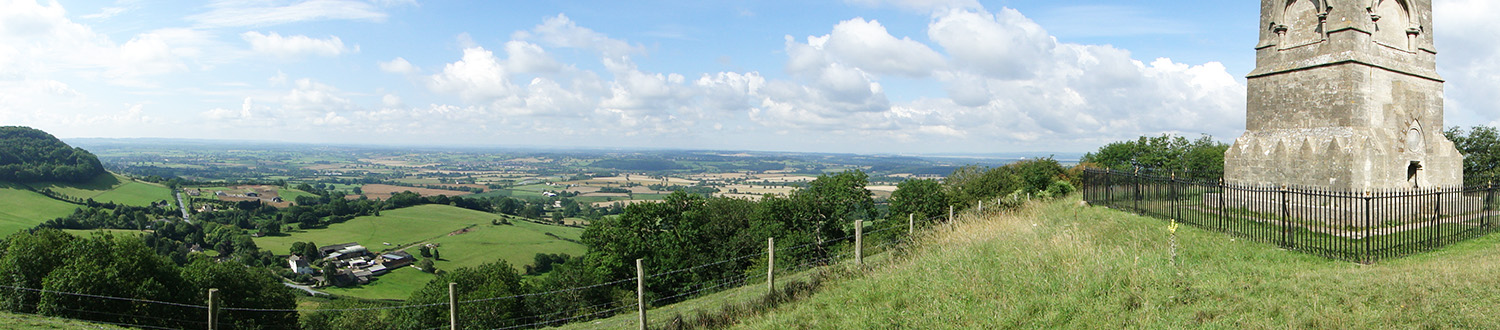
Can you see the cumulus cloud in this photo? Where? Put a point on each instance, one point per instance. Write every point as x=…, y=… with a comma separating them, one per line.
x=867, y=45
x=294, y=46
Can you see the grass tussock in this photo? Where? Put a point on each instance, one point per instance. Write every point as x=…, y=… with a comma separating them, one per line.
x=1062, y=265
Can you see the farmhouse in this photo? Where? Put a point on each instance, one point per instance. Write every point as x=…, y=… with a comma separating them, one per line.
x=299, y=265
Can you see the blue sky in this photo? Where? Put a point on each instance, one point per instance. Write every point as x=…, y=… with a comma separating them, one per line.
x=865, y=76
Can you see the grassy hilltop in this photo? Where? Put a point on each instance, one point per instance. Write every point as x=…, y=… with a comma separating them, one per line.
x=1059, y=265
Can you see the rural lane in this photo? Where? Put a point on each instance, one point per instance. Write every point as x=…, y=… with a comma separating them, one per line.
x=182, y=206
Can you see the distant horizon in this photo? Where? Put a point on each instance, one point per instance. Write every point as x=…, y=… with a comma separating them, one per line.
x=1061, y=156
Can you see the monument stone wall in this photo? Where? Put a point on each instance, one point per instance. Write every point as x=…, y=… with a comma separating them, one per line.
x=1345, y=96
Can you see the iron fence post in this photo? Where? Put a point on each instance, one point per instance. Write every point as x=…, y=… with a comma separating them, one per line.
x=1368, y=229
x=1172, y=188
x=1135, y=180
x=1437, y=219
x=1222, y=208
x=1285, y=218
x=1484, y=216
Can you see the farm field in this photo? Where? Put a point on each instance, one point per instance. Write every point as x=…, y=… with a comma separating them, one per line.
x=517, y=244
x=481, y=243
x=397, y=227
x=23, y=209
x=113, y=188
x=398, y=284
x=383, y=191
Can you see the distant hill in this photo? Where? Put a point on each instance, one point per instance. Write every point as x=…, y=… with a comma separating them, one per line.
x=31, y=155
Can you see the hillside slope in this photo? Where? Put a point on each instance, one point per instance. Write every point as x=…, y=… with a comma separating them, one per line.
x=31, y=155
x=1059, y=265
x=24, y=209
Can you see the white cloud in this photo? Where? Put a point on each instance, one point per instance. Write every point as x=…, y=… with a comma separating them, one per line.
x=294, y=46
x=1004, y=45
x=40, y=41
x=236, y=13
x=478, y=77
x=1469, y=57
x=398, y=65
x=106, y=12
x=868, y=46
x=560, y=31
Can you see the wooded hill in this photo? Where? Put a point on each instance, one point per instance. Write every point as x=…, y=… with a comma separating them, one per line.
x=31, y=155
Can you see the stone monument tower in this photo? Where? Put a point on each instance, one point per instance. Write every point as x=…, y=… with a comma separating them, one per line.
x=1345, y=96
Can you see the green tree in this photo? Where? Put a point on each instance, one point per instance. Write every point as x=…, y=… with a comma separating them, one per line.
x=243, y=287
x=921, y=197
x=836, y=201
x=427, y=266
x=1480, y=146
x=497, y=279
x=1167, y=154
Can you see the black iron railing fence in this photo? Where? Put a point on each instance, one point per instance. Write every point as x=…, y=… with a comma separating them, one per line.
x=1355, y=226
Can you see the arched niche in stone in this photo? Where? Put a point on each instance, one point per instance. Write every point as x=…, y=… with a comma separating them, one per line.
x=1392, y=23
x=1302, y=21
x=1416, y=154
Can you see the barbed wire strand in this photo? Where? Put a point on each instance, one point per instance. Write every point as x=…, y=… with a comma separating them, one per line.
x=114, y=314
x=548, y=292
x=566, y=319
x=331, y=309
x=103, y=297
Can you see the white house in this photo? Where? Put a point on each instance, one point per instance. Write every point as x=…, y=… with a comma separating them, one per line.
x=299, y=265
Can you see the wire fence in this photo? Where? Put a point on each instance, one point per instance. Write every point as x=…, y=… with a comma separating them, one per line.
x=779, y=261
x=1362, y=227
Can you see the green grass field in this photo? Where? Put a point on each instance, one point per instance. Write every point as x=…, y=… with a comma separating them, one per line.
x=1060, y=265
x=516, y=244
x=113, y=188
x=37, y=322
x=23, y=209
x=395, y=285
x=397, y=227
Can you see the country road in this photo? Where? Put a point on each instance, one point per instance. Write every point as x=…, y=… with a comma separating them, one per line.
x=182, y=206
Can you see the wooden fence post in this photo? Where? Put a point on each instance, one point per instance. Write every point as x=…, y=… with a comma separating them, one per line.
x=452, y=306
x=979, y=204
x=911, y=224
x=640, y=293
x=770, y=265
x=213, y=324
x=950, y=212
x=859, y=242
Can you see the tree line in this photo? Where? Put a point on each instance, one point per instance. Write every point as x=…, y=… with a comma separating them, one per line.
x=1203, y=158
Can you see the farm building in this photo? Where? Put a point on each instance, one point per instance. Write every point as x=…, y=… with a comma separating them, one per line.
x=396, y=259
x=299, y=265
x=330, y=249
